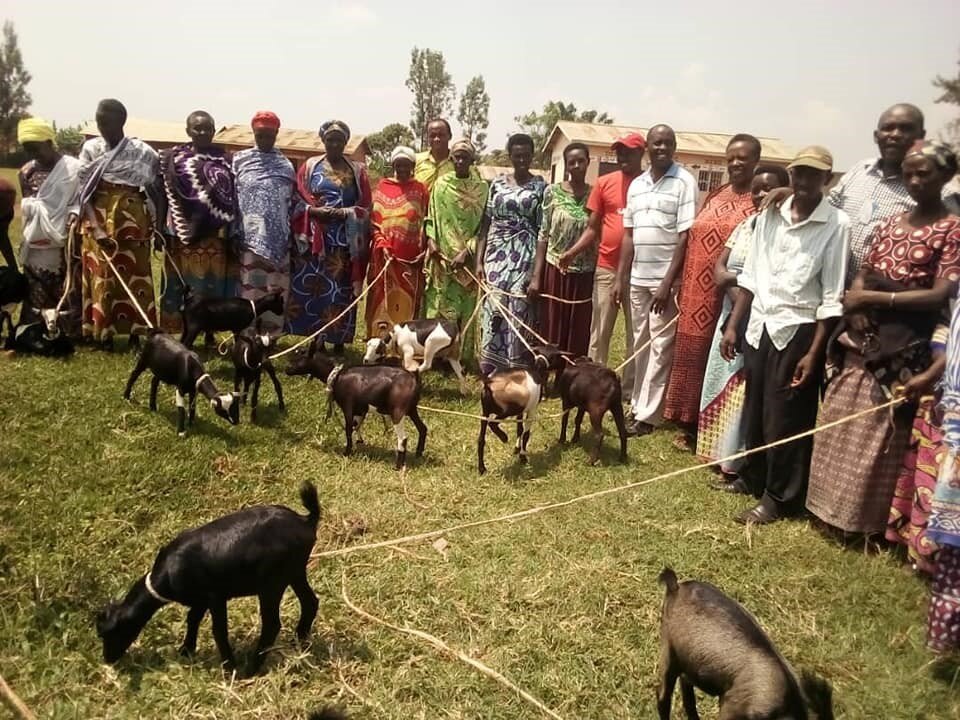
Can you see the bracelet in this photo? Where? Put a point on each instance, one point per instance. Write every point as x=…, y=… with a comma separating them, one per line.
x=893, y=298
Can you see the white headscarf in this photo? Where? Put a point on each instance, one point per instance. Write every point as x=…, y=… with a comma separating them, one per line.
x=402, y=151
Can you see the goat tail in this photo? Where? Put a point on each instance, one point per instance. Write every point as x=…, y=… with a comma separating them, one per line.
x=311, y=501
x=669, y=578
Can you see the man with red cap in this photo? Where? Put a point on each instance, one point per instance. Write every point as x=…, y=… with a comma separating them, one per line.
x=606, y=203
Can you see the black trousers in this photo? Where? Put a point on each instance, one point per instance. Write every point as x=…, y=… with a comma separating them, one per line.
x=773, y=411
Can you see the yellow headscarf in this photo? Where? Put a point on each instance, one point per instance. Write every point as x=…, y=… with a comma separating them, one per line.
x=35, y=130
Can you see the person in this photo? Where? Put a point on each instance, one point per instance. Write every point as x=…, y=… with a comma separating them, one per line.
x=330, y=230
x=505, y=256
x=722, y=212
x=606, y=205
x=264, y=179
x=453, y=224
x=565, y=215
x=399, y=209
x=791, y=287
x=890, y=313
x=49, y=182
x=118, y=175
x=659, y=213
x=200, y=232
x=8, y=201
x=719, y=430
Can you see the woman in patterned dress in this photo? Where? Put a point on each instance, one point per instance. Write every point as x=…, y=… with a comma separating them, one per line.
x=505, y=256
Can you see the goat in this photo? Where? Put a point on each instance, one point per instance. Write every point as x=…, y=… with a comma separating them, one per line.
x=391, y=391
x=710, y=641
x=595, y=389
x=43, y=337
x=555, y=358
x=174, y=364
x=209, y=315
x=249, y=363
x=260, y=550
x=429, y=339
x=514, y=392
x=14, y=290
x=328, y=713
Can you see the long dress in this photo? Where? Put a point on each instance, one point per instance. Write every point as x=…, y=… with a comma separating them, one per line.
x=396, y=218
x=719, y=427
x=329, y=256
x=201, y=202
x=564, y=219
x=700, y=304
x=265, y=183
x=514, y=213
x=453, y=222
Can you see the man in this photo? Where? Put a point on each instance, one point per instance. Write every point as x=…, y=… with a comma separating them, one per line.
x=606, y=204
x=660, y=209
x=436, y=161
x=792, y=288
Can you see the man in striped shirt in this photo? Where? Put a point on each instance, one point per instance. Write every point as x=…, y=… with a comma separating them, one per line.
x=659, y=212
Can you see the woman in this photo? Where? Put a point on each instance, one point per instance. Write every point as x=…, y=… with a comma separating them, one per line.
x=48, y=183
x=329, y=227
x=699, y=300
x=890, y=313
x=399, y=210
x=200, y=229
x=505, y=256
x=454, y=221
x=721, y=399
x=116, y=175
x=565, y=216
x=264, y=179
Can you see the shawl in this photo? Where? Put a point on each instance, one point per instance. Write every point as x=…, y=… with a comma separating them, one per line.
x=264, y=182
x=200, y=191
x=944, y=524
x=308, y=230
x=45, y=215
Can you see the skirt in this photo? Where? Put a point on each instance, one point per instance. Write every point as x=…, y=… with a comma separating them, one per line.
x=320, y=289
x=943, y=613
x=260, y=276
x=396, y=296
x=207, y=270
x=563, y=325
x=454, y=298
x=501, y=346
x=853, y=490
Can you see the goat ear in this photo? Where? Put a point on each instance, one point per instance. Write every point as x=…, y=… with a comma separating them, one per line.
x=105, y=619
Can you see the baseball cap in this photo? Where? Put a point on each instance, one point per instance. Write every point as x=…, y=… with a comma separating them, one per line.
x=633, y=141
x=814, y=156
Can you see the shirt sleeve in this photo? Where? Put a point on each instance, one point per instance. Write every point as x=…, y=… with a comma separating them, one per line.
x=835, y=197
x=949, y=266
x=628, y=211
x=833, y=275
x=546, y=215
x=595, y=201
x=747, y=279
x=686, y=204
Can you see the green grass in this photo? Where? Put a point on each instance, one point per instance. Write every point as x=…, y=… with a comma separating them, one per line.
x=565, y=604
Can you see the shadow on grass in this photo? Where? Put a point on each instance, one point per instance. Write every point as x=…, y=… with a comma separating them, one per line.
x=947, y=670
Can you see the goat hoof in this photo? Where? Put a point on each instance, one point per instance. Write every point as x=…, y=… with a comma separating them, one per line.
x=186, y=651
x=482, y=470
x=523, y=459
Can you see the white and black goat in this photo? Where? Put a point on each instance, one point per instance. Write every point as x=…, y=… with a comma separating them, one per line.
x=14, y=290
x=510, y=393
x=391, y=391
x=592, y=389
x=709, y=641
x=556, y=361
x=250, y=361
x=261, y=550
x=429, y=339
x=174, y=364
x=43, y=337
x=209, y=315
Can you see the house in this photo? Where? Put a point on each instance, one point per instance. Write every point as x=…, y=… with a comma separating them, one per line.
x=702, y=153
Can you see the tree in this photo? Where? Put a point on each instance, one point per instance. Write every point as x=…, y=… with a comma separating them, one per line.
x=950, y=88
x=433, y=90
x=70, y=140
x=14, y=78
x=474, y=112
x=497, y=157
x=539, y=125
x=382, y=144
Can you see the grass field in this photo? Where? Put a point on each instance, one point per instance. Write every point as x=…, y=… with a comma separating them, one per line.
x=565, y=604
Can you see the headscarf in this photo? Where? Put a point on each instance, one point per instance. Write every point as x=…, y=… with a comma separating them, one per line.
x=464, y=144
x=942, y=155
x=335, y=126
x=265, y=119
x=35, y=130
x=403, y=152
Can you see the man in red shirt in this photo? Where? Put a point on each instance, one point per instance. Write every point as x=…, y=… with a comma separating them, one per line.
x=606, y=203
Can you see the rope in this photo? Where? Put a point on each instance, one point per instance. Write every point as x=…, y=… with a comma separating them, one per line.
x=539, y=417
x=15, y=702
x=602, y=493
x=346, y=310
x=647, y=344
x=521, y=296
x=447, y=650
x=113, y=267
x=69, y=262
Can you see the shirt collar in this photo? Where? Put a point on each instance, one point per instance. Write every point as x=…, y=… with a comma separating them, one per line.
x=874, y=166
x=820, y=214
x=672, y=171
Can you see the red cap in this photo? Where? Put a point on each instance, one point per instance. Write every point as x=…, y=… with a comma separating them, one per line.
x=633, y=141
x=265, y=119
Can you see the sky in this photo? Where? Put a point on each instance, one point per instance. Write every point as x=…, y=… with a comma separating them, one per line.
x=813, y=72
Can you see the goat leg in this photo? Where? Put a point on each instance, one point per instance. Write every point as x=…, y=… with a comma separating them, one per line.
x=218, y=620
x=617, y=411
x=421, y=429
x=348, y=426
x=481, y=443
x=236, y=380
x=576, y=425
x=521, y=449
x=596, y=422
x=268, y=366
x=192, y=399
x=269, y=625
x=668, y=680
x=194, y=618
x=401, y=442
x=563, y=423
x=689, y=699
x=255, y=398
x=138, y=369
x=181, y=414
x=154, y=387
x=308, y=605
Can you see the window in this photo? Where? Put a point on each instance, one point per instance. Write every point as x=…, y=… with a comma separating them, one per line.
x=553, y=173
x=709, y=180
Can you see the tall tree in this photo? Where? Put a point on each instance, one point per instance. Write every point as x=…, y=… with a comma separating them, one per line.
x=950, y=93
x=382, y=144
x=539, y=125
x=14, y=78
x=70, y=139
x=433, y=90
x=474, y=112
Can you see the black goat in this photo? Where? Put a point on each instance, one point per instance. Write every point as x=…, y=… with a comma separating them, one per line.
x=515, y=392
x=43, y=337
x=260, y=550
x=391, y=391
x=210, y=315
x=595, y=389
x=250, y=361
x=13, y=291
x=172, y=363
x=709, y=641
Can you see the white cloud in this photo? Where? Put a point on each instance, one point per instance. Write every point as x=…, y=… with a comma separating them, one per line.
x=355, y=13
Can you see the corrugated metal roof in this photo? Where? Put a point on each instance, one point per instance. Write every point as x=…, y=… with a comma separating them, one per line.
x=492, y=172
x=146, y=130
x=703, y=143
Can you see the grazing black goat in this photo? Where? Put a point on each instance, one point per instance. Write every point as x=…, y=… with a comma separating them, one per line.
x=250, y=361
x=43, y=337
x=172, y=363
x=391, y=391
x=210, y=315
x=261, y=550
x=593, y=389
x=709, y=641
x=13, y=291
x=515, y=392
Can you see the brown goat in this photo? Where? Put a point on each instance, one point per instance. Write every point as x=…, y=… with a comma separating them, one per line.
x=515, y=392
x=595, y=389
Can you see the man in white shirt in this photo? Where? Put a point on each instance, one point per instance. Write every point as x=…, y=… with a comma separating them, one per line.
x=660, y=207
x=794, y=280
